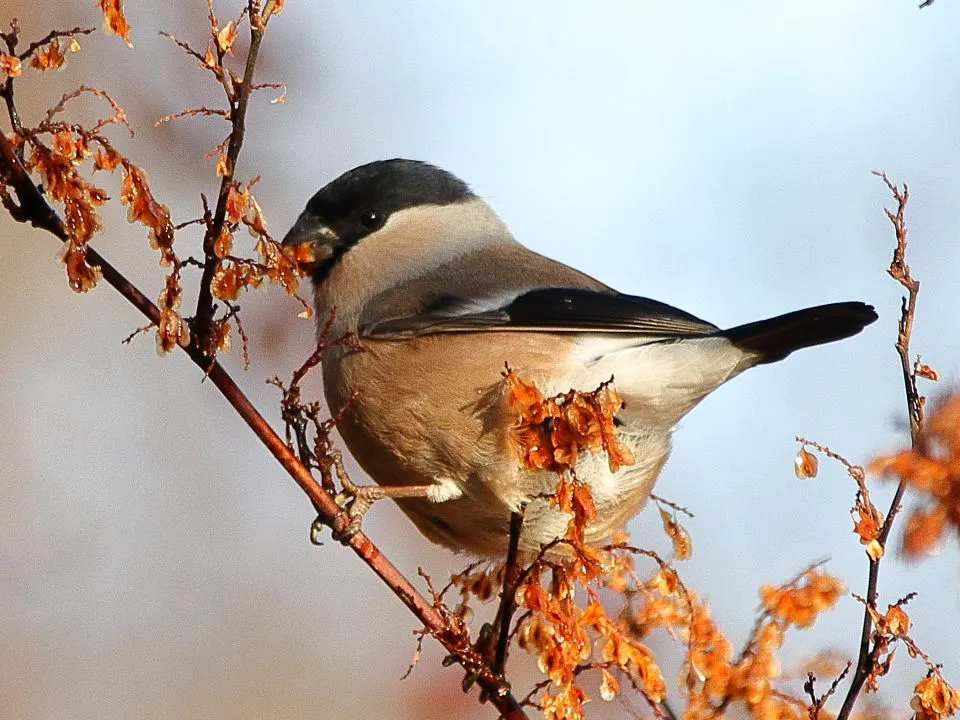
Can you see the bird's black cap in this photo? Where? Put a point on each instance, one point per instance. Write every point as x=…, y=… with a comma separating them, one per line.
x=387, y=186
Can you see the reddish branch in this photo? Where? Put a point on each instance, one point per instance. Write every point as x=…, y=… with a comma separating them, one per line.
x=869, y=654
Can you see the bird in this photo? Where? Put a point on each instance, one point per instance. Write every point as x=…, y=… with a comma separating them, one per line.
x=439, y=297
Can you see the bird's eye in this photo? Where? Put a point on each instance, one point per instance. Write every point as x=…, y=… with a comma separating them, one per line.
x=371, y=219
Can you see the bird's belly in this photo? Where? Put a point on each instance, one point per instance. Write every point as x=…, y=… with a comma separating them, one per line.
x=482, y=528
x=456, y=430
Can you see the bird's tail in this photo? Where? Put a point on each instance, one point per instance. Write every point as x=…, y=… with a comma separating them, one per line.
x=777, y=337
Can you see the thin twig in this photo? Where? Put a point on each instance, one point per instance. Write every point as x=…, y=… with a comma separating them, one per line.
x=508, y=593
x=238, y=99
x=899, y=270
x=51, y=36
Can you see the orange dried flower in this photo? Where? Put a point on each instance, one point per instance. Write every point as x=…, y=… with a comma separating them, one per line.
x=171, y=331
x=106, y=159
x=549, y=433
x=932, y=469
x=923, y=531
x=220, y=335
x=143, y=208
x=800, y=605
x=567, y=704
x=805, y=464
x=896, y=621
x=50, y=59
x=209, y=59
x=609, y=687
x=253, y=217
x=277, y=266
x=226, y=36
x=69, y=148
x=682, y=542
x=231, y=278
x=223, y=165
x=114, y=21
x=223, y=245
x=82, y=277
x=934, y=698
x=868, y=526
x=573, y=496
x=236, y=202
x=10, y=65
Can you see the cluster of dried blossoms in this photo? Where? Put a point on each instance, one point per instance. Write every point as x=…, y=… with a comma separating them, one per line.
x=711, y=678
x=56, y=150
x=234, y=273
x=570, y=632
x=550, y=433
x=932, y=470
x=565, y=623
x=567, y=627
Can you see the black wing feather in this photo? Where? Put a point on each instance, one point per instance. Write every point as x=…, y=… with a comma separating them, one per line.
x=550, y=310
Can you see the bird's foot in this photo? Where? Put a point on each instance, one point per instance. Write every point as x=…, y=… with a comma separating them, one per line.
x=357, y=500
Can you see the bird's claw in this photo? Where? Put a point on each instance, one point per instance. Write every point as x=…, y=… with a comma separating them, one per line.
x=356, y=499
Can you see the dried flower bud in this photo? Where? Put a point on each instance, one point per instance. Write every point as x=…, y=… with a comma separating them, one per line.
x=10, y=65
x=609, y=687
x=896, y=621
x=223, y=245
x=223, y=165
x=934, y=698
x=874, y=550
x=114, y=21
x=82, y=277
x=50, y=59
x=226, y=37
x=682, y=542
x=805, y=464
x=171, y=331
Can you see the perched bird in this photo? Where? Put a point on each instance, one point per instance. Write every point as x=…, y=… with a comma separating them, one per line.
x=440, y=296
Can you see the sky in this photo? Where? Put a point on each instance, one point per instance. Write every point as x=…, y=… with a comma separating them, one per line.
x=715, y=156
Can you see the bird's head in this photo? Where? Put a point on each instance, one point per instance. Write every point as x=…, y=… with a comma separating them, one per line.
x=362, y=202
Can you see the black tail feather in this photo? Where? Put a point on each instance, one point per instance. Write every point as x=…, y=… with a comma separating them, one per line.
x=777, y=337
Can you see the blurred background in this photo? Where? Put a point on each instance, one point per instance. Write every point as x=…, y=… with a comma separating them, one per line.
x=154, y=560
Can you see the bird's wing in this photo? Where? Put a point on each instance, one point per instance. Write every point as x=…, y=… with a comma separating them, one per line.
x=550, y=309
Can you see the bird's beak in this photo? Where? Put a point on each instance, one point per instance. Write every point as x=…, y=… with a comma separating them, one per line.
x=309, y=242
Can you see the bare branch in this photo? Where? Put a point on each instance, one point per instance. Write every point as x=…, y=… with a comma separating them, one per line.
x=869, y=654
